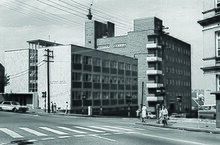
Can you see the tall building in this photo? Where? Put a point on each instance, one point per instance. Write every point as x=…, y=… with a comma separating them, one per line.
x=211, y=48
x=164, y=62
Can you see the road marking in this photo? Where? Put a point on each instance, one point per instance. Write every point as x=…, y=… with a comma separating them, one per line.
x=53, y=130
x=72, y=130
x=104, y=138
x=172, y=139
x=11, y=133
x=89, y=129
x=102, y=128
x=48, y=138
x=119, y=128
x=64, y=136
x=33, y=131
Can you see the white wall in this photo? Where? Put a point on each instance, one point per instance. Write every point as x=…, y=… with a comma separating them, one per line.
x=16, y=66
x=60, y=76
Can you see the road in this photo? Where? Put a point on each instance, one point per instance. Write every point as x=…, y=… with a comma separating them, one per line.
x=69, y=130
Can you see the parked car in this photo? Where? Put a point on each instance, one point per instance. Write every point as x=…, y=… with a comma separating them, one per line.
x=207, y=111
x=12, y=106
x=150, y=115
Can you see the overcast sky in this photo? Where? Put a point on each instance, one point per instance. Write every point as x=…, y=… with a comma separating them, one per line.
x=63, y=21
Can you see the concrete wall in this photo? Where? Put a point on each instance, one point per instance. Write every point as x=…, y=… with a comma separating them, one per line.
x=60, y=76
x=17, y=69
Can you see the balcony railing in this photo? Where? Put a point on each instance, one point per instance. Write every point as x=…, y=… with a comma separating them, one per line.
x=153, y=46
x=153, y=58
x=154, y=99
x=154, y=72
x=154, y=85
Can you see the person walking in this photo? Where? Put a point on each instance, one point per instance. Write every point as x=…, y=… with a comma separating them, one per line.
x=164, y=115
x=66, y=108
x=51, y=107
x=55, y=107
x=143, y=113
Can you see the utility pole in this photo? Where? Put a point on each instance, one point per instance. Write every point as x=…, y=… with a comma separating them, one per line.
x=49, y=54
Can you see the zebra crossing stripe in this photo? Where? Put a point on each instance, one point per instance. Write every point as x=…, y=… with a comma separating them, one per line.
x=72, y=130
x=102, y=128
x=88, y=129
x=119, y=128
x=53, y=130
x=33, y=131
x=11, y=133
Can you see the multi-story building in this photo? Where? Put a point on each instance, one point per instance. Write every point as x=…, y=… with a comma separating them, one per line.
x=86, y=77
x=80, y=76
x=23, y=72
x=211, y=48
x=164, y=62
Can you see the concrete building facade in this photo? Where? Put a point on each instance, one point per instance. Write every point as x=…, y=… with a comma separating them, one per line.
x=86, y=77
x=211, y=48
x=164, y=63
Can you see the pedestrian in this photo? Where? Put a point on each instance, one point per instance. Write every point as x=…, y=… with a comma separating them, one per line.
x=164, y=115
x=144, y=113
x=100, y=113
x=66, y=108
x=55, y=107
x=51, y=107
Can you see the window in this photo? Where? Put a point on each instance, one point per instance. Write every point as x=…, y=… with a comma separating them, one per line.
x=105, y=79
x=121, y=80
x=134, y=67
x=121, y=65
x=114, y=79
x=87, y=77
x=113, y=64
x=96, y=62
x=218, y=43
x=105, y=63
x=218, y=3
x=77, y=58
x=96, y=78
x=127, y=66
x=77, y=77
x=87, y=60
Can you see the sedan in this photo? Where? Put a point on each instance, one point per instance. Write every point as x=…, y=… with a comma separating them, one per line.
x=12, y=106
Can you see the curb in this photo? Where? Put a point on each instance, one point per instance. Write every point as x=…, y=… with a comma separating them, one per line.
x=183, y=128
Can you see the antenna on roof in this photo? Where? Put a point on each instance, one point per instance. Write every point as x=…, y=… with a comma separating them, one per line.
x=90, y=14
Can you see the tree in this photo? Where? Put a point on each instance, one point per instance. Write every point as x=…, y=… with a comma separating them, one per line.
x=6, y=80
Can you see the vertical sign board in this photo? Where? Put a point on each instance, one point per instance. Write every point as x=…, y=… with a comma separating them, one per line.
x=217, y=110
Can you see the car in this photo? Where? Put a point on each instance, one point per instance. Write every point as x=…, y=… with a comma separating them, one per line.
x=207, y=111
x=150, y=115
x=12, y=106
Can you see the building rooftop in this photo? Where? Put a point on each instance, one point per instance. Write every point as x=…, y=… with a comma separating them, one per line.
x=43, y=43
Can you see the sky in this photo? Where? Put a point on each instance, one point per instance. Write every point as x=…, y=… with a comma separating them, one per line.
x=63, y=21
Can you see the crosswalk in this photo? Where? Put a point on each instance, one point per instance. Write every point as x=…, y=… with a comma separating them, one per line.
x=62, y=131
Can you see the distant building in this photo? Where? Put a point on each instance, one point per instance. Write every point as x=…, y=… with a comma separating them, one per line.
x=211, y=48
x=164, y=62
x=2, y=74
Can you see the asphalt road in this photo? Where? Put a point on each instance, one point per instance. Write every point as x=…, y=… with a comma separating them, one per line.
x=73, y=130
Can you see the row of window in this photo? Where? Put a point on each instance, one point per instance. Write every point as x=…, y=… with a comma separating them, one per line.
x=117, y=45
x=78, y=77
x=177, y=82
x=177, y=71
x=176, y=48
x=102, y=62
x=178, y=60
x=77, y=95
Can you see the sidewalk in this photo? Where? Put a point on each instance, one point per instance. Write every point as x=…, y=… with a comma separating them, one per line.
x=189, y=124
